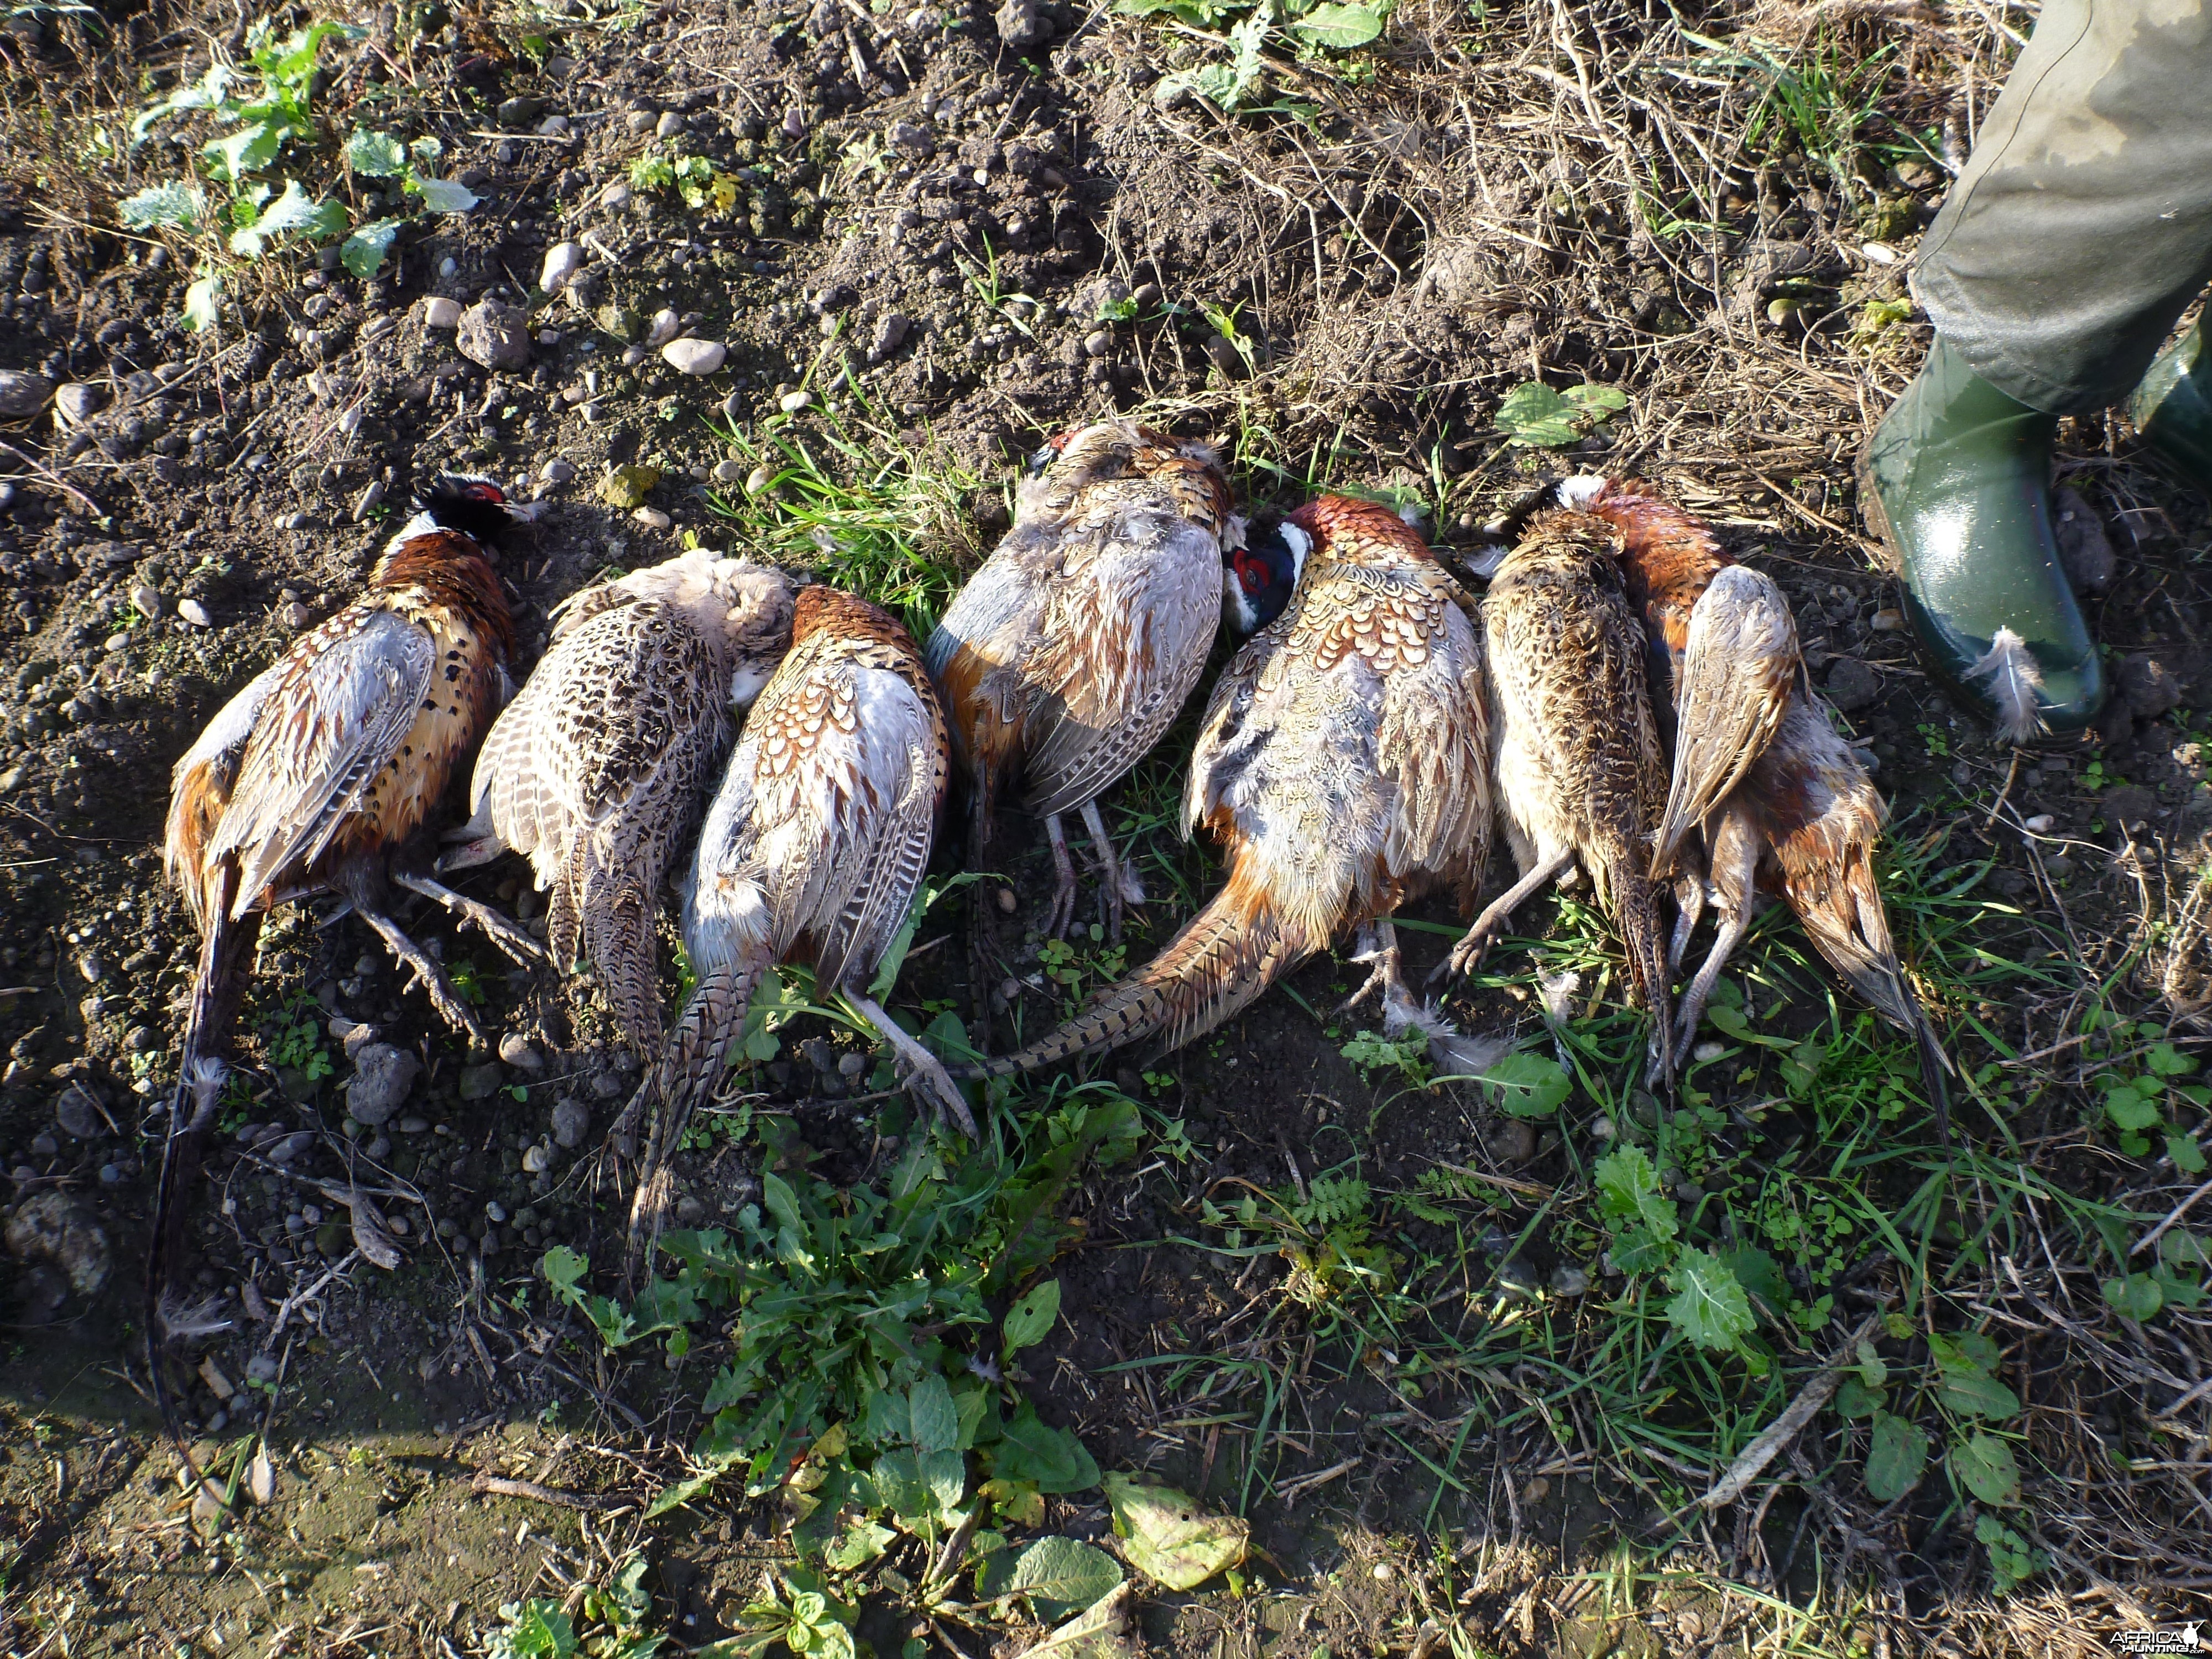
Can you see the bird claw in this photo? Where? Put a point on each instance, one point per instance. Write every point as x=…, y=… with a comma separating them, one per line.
x=1466, y=957
x=933, y=1083
x=1062, y=916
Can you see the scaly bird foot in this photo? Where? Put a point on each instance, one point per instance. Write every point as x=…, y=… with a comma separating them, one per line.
x=516, y=943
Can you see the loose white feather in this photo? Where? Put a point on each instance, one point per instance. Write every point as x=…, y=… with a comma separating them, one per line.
x=2013, y=680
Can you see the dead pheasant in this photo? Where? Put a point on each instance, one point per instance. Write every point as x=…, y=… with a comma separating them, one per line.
x=1781, y=801
x=1580, y=776
x=812, y=853
x=1343, y=766
x=597, y=771
x=1069, y=653
x=319, y=777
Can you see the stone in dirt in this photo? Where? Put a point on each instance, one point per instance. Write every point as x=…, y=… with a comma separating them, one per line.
x=694, y=356
x=572, y=1119
x=627, y=487
x=52, y=1227
x=77, y=402
x=383, y=1076
x=496, y=335
x=1020, y=22
x=22, y=393
x=909, y=138
x=562, y=261
x=2150, y=687
x=889, y=334
x=77, y=1115
x=438, y=312
x=1852, y=685
x=480, y=1082
x=516, y=1050
x=2084, y=548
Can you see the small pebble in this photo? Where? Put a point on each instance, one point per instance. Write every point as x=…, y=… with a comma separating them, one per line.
x=537, y=1160
x=562, y=261
x=572, y=1119
x=1887, y=622
x=147, y=599
x=2040, y=825
x=195, y=613
x=516, y=1050
x=1384, y=1572
x=668, y=127
x=651, y=518
x=438, y=312
x=792, y=402
x=494, y=1210
x=1708, y=1051
x=1602, y=1128
x=665, y=326
x=1007, y=902
x=760, y=480
x=414, y=1125
x=557, y=471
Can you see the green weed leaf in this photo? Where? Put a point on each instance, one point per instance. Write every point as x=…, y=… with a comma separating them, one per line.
x=1709, y=1306
x=247, y=150
x=1967, y=1364
x=443, y=195
x=1342, y=28
x=1059, y=1577
x=1528, y=1085
x=1029, y=1320
x=173, y=204
x=2138, y=1297
x=537, y=1629
x=1895, y=1460
x=2011, y=1559
x=375, y=155
x=1985, y=1465
x=1052, y=1458
x=2188, y=1156
x=363, y=252
x=1628, y=1193
x=203, y=303
x=1855, y=1400
x=935, y=1419
x=2132, y=1109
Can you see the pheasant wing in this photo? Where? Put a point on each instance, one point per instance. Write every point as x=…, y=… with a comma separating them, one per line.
x=1125, y=639
x=1433, y=737
x=1736, y=682
x=349, y=693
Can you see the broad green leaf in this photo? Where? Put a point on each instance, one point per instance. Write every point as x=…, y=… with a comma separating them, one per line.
x=1966, y=1364
x=2138, y=1297
x=2188, y=1156
x=1168, y=1538
x=1855, y=1400
x=375, y=155
x=1759, y=1274
x=1018, y=1503
x=1628, y=1193
x=207, y=92
x=1709, y=1306
x=1900, y=1452
x=1635, y=1251
x=564, y=1269
x=1598, y=398
x=1729, y=1021
x=861, y=1543
x=1053, y=1459
x=247, y=150
x=900, y=1486
x=1531, y=401
x=780, y=1201
x=443, y=196
x=203, y=303
x=2168, y=1061
x=2129, y=1109
x=1029, y=1320
x=540, y=1630
x=1058, y=1575
x=172, y=204
x=1985, y=1465
x=1527, y=1084
x=364, y=251
x=1341, y=26
x=935, y=1421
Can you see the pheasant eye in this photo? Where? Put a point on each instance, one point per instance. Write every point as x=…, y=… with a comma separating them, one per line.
x=485, y=492
x=1249, y=575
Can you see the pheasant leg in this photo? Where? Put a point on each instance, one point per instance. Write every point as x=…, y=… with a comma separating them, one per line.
x=1689, y=905
x=1735, y=871
x=1467, y=956
x=470, y=844
x=518, y=944
x=1063, y=914
x=1121, y=885
x=432, y=977
x=924, y=1074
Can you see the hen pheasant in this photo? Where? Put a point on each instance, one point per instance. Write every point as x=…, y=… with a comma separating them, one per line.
x=1342, y=763
x=597, y=770
x=1069, y=652
x=319, y=777
x=812, y=850
x=1579, y=772
x=1781, y=802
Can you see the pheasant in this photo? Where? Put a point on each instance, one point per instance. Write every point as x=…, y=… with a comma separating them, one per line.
x=597, y=770
x=1342, y=762
x=812, y=851
x=1580, y=774
x=317, y=778
x=1782, y=802
x=1068, y=653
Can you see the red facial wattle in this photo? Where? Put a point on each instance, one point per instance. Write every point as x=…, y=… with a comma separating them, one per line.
x=1250, y=575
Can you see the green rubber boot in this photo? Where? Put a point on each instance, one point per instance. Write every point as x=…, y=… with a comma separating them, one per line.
x=2172, y=407
x=1957, y=480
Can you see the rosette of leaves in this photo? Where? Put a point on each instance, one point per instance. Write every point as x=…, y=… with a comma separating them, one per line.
x=253, y=197
x=1305, y=29
x=1534, y=416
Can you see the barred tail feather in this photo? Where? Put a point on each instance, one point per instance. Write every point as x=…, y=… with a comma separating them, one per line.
x=1636, y=907
x=217, y=986
x=697, y=1050
x=1225, y=956
x=2012, y=681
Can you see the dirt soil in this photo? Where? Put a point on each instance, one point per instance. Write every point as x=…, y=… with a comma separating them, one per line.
x=190, y=502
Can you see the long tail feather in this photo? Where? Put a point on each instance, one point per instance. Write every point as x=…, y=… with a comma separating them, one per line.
x=1636, y=907
x=697, y=1050
x=2013, y=680
x=216, y=987
x=1223, y=959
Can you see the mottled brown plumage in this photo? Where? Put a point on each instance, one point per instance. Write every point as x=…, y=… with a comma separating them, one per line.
x=597, y=771
x=312, y=780
x=1579, y=772
x=1342, y=766
x=811, y=853
x=1791, y=811
x=1069, y=652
